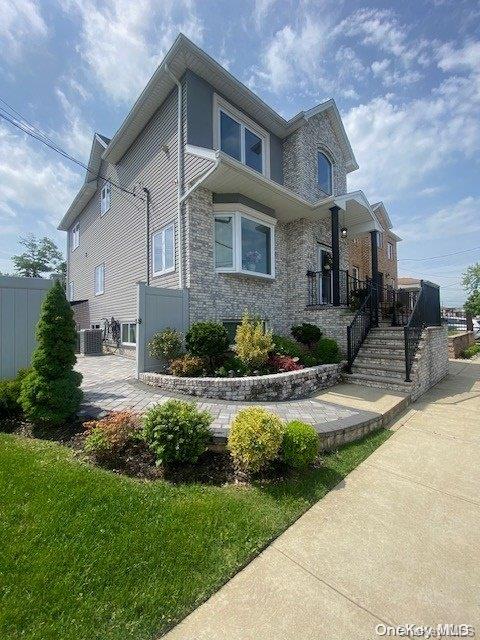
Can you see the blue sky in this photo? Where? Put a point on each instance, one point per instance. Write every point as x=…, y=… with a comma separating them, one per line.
x=405, y=76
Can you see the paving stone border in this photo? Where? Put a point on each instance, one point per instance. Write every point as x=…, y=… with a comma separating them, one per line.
x=278, y=386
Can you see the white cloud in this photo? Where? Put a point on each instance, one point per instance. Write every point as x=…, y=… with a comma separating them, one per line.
x=261, y=9
x=32, y=181
x=430, y=191
x=76, y=136
x=468, y=57
x=390, y=76
x=122, y=41
x=459, y=218
x=21, y=23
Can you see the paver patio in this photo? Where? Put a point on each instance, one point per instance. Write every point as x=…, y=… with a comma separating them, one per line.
x=397, y=542
x=110, y=384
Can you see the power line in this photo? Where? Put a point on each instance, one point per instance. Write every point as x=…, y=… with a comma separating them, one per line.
x=445, y=255
x=31, y=131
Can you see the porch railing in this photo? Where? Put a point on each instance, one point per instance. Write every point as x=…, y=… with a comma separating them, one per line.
x=364, y=319
x=320, y=287
x=425, y=313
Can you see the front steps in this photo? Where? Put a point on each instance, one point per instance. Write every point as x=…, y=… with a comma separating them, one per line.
x=381, y=360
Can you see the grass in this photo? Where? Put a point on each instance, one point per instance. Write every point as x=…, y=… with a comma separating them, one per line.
x=88, y=554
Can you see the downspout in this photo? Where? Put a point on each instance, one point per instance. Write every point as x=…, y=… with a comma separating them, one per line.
x=179, y=175
x=147, y=229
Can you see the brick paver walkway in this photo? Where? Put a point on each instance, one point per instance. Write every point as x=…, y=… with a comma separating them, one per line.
x=109, y=384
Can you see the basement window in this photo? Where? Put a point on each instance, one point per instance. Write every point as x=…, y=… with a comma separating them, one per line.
x=129, y=333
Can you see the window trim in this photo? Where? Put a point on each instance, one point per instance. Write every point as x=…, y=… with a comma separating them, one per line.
x=239, y=212
x=390, y=250
x=75, y=233
x=355, y=270
x=107, y=187
x=99, y=293
x=128, y=323
x=71, y=291
x=380, y=239
x=328, y=157
x=219, y=105
x=162, y=230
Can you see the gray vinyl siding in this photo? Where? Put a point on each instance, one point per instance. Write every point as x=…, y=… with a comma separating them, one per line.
x=118, y=238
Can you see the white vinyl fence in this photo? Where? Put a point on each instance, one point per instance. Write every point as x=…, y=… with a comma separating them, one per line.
x=158, y=308
x=20, y=302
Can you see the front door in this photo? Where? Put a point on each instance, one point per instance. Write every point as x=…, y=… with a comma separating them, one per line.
x=324, y=259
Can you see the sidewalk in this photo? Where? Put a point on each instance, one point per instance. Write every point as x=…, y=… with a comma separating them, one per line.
x=397, y=542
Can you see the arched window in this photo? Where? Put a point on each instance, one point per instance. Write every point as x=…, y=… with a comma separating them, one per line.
x=324, y=172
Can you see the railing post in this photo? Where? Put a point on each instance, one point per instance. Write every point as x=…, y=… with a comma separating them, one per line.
x=335, y=256
x=349, y=349
x=394, y=311
x=407, y=355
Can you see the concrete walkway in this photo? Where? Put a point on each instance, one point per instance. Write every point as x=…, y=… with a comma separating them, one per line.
x=398, y=541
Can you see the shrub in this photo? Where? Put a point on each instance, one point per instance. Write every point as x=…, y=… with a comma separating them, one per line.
x=252, y=344
x=306, y=333
x=283, y=363
x=300, y=444
x=470, y=351
x=327, y=351
x=166, y=344
x=207, y=340
x=188, y=366
x=231, y=364
x=286, y=347
x=309, y=360
x=108, y=437
x=255, y=438
x=50, y=392
x=176, y=431
x=10, y=394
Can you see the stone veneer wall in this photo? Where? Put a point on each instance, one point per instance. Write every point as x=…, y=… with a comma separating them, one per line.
x=278, y=386
x=431, y=360
x=458, y=343
x=332, y=320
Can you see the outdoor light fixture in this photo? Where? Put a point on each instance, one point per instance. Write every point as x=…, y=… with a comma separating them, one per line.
x=343, y=232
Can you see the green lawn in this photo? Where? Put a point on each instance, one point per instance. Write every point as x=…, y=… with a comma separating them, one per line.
x=87, y=554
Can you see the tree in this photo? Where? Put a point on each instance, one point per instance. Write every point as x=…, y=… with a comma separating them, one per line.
x=471, y=278
x=50, y=392
x=472, y=304
x=41, y=256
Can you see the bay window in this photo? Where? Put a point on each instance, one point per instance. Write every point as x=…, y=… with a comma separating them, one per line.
x=244, y=243
x=240, y=137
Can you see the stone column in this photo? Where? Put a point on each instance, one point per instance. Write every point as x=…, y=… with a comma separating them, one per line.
x=335, y=256
x=374, y=247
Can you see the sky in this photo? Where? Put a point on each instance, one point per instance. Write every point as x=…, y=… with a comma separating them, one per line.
x=405, y=76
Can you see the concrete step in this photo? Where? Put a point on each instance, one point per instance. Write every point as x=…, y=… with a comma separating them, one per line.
x=391, y=370
x=383, y=342
x=386, y=327
x=381, y=361
x=381, y=383
x=381, y=352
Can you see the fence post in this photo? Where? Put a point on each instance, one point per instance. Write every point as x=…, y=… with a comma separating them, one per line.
x=141, y=308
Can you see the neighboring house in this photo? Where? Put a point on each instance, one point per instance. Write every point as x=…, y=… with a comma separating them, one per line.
x=360, y=254
x=205, y=187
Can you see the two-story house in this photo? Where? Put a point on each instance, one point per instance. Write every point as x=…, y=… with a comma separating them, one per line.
x=204, y=187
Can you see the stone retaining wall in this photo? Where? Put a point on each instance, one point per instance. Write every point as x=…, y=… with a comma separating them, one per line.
x=278, y=386
x=458, y=343
x=431, y=360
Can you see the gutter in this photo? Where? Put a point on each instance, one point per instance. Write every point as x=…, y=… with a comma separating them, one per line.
x=179, y=174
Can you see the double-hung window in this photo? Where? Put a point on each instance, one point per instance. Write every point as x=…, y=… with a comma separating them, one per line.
x=105, y=198
x=163, y=250
x=129, y=333
x=389, y=250
x=99, y=279
x=244, y=243
x=75, y=237
x=240, y=137
x=379, y=239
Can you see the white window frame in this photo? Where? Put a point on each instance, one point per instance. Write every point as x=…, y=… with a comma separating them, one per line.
x=379, y=239
x=327, y=156
x=75, y=236
x=161, y=233
x=102, y=266
x=356, y=273
x=128, y=344
x=219, y=105
x=71, y=291
x=390, y=250
x=237, y=214
x=105, y=200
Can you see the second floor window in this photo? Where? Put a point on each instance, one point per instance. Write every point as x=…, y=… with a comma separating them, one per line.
x=389, y=250
x=105, y=198
x=163, y=251
x=380, y=239
x=324, y=173
x=75, y=237
x=99, y=279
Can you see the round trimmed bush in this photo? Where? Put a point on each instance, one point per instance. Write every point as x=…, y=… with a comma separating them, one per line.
x=207, y=340
x=286, y=347
x=187, y=366
x=255, y=438
x=166, y=344
x=300, y=444
x=306, y=333
x=176, y=431
x=327, y=351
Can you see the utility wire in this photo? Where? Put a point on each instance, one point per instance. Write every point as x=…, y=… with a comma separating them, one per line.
x=31, y=131
x=445, y=255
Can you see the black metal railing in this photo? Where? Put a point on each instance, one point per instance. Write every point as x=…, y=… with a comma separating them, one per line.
x=320, y=287
x=425, y=313
x=364, y=319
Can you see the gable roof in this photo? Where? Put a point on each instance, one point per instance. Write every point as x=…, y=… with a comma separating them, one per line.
x=183, y=55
